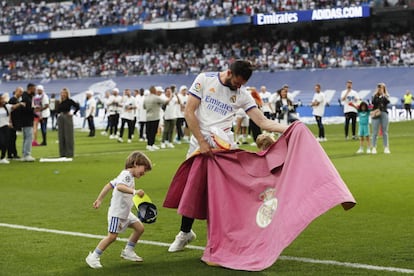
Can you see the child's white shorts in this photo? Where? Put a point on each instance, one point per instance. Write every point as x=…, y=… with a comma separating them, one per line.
x=118, y=225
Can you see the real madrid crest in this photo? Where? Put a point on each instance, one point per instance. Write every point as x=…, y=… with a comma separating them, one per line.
x=233, y=99
x=268, y=208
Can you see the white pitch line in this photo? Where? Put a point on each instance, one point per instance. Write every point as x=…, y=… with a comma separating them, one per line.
x=286, y=258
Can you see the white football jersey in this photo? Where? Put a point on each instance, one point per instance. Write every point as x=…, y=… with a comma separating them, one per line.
x=121, y=203
x=218, y=102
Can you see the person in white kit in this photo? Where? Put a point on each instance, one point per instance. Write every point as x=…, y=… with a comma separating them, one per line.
x=44, y=112
x=214, y=98
x=350, y=99
x=120, y=216
x=114, y=104
x=129, y=106
x=318, y=110
x=266, y=97
x=90, y=112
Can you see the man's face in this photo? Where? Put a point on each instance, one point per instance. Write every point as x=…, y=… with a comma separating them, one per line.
x=31, y=90
x=234, y=82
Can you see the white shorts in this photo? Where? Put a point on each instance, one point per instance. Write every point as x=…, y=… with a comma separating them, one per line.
x=118, y=225
x=244, y=121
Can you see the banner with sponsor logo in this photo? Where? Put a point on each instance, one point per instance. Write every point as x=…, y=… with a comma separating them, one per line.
x=311, y=15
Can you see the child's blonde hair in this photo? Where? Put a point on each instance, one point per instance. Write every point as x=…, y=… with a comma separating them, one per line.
x=137, y=158
x=264, y=141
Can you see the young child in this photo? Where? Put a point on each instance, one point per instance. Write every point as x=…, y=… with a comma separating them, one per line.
x=264, y=141
x=119, y=213
x=363, y=127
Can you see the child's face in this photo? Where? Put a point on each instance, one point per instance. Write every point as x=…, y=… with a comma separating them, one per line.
x=138, y=171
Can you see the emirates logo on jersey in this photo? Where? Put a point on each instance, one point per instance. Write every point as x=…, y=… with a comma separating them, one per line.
x=267, y=210
x=233, y=99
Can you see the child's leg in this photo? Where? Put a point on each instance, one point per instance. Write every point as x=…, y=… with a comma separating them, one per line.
x=105, y=242
x=138, y=228
x=93, y=259
x=129, y=252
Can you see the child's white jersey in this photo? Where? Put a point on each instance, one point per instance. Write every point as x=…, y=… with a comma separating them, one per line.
x=218, y=102
x=121, y=203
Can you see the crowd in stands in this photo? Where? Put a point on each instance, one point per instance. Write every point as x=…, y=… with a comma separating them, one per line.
x=324, y=52
x=31, y=17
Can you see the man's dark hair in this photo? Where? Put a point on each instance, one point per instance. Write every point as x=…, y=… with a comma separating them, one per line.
x=242, y=68
x=30, y=85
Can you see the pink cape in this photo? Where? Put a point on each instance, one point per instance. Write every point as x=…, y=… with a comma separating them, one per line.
x=256, y=204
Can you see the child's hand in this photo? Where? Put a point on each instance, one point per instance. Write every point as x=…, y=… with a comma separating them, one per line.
x=96, y=204
x=140, y=192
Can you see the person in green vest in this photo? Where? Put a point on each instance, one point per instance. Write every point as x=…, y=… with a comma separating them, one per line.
x=408, y=100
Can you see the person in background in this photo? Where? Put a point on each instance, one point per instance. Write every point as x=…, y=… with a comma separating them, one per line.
x=152, y=104
x=171, y=109
x=380, y=101
x=53, y=104
x=266, y=95
x=318, y=110
x=181, y=124
x=44, y=112
x=363, y=127
x=120, y=216
x=67, y=108
x=241, y=126
x=27, y=118
x=408, y=100
x=114, y=104
x=129, y=106
x=16, y=123
x=254, y=128
x=90, y=112
x=349, y=99
x=106, y=113
x=141, y=114
x=37, y=102
x=284, y=108
x=5, y=125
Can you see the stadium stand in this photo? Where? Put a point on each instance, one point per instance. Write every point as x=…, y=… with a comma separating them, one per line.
x=34, y=17
x=331, y=50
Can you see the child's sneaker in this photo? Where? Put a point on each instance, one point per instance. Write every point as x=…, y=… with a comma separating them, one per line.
x=368, y=151
x=131, y=256
x=360, y=150
x=374, y=151
x=93, y=261
x=387, y=150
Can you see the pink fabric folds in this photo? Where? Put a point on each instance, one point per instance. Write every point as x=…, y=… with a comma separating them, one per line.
x=256, y=204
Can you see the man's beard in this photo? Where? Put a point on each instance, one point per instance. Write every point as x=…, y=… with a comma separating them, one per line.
x=228, y=84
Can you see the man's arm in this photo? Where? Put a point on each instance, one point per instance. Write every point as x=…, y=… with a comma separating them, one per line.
x=192, y=121
x=257, y=116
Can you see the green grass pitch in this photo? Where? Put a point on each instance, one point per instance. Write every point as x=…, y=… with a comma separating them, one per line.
x=379, y=231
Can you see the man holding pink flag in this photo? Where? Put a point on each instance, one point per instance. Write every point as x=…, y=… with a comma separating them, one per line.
x=239, y=192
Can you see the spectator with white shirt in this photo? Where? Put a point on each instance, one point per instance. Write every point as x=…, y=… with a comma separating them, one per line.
x=44, y=112
x=171, y=108
x=127, y=115
x=318, y=110
x=350, y=99
x=90, y=112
